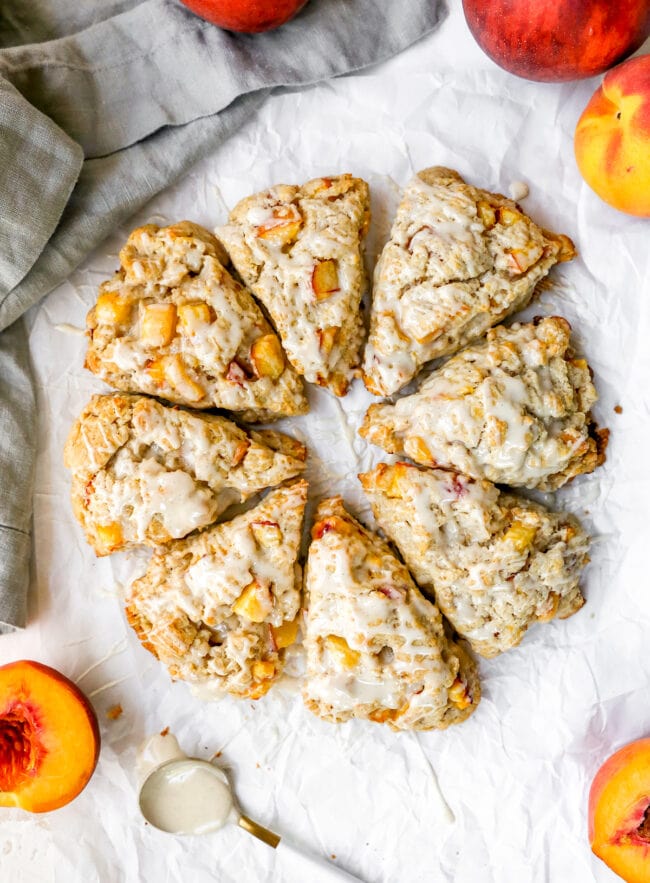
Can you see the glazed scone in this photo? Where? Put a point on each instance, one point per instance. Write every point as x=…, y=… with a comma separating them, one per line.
x=459, y=260
x=514, y=408
x=144, y=472
x=219, y=608
x=376, y=648
x=495, y=563
x=173, y=323
x=300, y=251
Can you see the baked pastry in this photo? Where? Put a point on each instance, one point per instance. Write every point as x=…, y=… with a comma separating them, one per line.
x=459, y=260
x=300, y=251
x=376, y=648
x=173, y=323
x=144, y=472
x=494, y=562
x=514, y=408
x=220, y=607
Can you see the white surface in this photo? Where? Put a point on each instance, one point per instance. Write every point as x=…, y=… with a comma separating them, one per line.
x=516, y=775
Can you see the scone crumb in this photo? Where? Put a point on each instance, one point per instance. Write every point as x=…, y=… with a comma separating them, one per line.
x=114, y=712
x=618, y=409
x=165, y=732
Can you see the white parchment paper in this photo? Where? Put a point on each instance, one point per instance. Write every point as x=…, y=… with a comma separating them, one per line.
x=516, y=775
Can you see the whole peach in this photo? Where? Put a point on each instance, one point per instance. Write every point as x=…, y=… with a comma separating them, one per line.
x=556, y=40
x=612, y=138
x=246, y=16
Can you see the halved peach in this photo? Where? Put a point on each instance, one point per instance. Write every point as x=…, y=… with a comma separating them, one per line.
x=619, y=812
x=49, y=738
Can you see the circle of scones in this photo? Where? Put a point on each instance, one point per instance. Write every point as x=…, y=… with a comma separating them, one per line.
x=174, y=323
x=220, y=607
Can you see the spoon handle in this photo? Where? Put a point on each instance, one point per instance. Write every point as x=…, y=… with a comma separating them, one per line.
x=318, y=870
x=258, y=831
x=311, y=867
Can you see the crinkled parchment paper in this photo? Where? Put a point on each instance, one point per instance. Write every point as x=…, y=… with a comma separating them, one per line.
x=516, y=775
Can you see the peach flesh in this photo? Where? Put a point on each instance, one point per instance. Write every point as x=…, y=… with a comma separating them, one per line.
x=21, y=752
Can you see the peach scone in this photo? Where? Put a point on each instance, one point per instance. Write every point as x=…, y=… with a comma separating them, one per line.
x=144, y=472
x=219, y=608
x=459, y=260
x=172, y=322
x=514, y=408
x=376, y=648
x=300, y=251
x=494, y=562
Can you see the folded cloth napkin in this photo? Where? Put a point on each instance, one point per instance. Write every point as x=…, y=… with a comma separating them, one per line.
x=102, y=105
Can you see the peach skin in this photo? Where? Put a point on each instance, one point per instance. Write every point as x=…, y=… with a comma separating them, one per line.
x=619, y=812
x=49, y=738
x=612, y=138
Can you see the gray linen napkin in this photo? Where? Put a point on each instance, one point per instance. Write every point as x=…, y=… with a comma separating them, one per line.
x=102, y=105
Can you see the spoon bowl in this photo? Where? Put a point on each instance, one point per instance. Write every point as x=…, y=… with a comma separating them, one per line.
x=187, y=796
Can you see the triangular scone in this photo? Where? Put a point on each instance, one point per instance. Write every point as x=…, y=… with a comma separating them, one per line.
x=376, y=648
x=173, y=323
x=494, y=562
x=514, y=408
x=144, y=472
x=219, y=608
x=459, y=260
x=300, y=251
